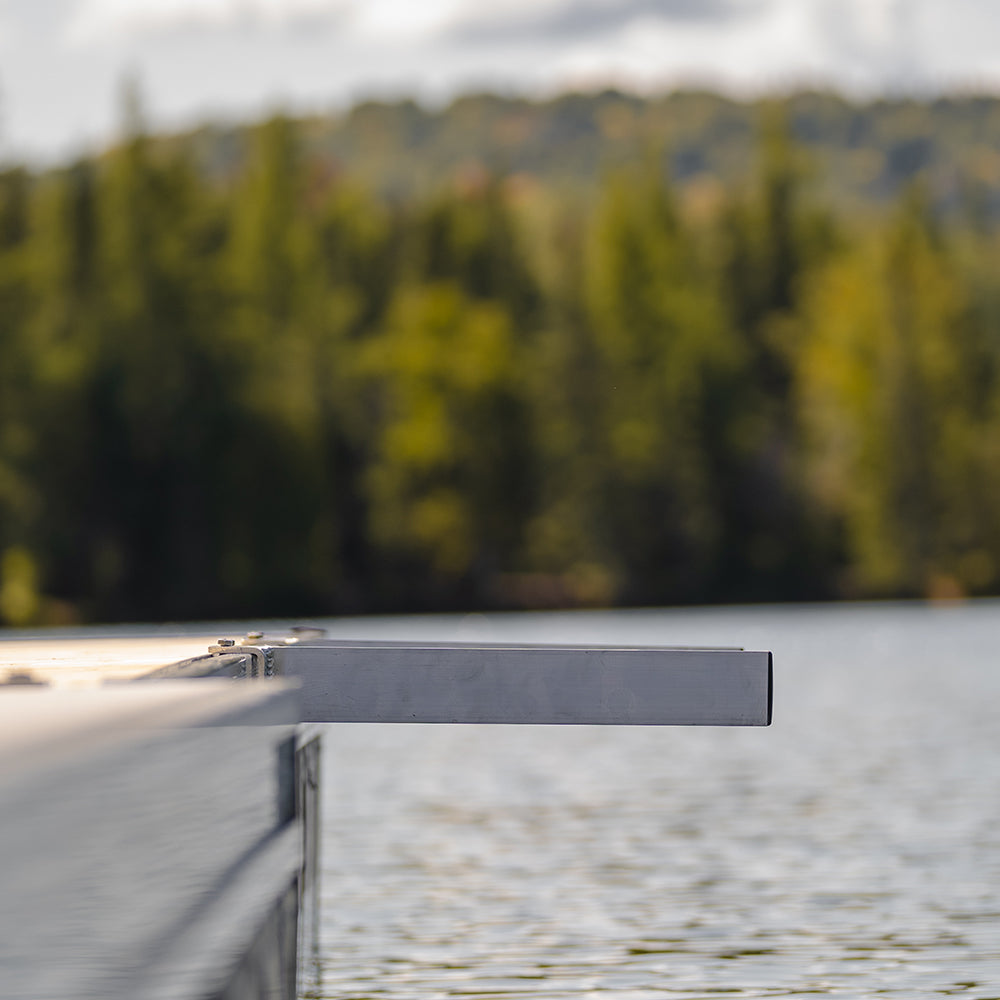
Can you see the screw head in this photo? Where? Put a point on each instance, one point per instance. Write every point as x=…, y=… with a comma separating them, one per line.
x=255, y=636
x=226, y=642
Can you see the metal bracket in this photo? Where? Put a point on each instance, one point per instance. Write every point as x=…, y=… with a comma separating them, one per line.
x=391, y=681
x=343, y=680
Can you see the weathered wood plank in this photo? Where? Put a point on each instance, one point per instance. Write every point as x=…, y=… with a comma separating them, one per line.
x=146, y=838
x=75, y=661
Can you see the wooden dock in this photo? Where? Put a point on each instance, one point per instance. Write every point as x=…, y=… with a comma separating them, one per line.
x=159, y=810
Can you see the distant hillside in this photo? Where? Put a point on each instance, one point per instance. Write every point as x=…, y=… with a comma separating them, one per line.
x=860, y=153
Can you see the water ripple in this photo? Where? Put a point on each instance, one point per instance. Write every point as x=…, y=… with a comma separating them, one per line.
x=851, y=850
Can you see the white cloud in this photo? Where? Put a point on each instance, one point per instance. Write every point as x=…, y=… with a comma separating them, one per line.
x=569, y=21
x=100, y=20
x=61, y=60
x=773, y=49
x=399, y=19
x=870, y=42
x=385, y=20
x=6, y=26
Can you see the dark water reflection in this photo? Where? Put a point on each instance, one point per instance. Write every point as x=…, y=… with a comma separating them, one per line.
x=851, y=849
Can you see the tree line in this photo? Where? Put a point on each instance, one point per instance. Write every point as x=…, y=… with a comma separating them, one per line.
x=865, y=151
x=281, y=393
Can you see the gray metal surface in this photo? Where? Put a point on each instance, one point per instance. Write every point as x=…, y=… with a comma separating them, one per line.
x=308, y=757
x=454, y=683
x=146, y=844
x=159, y=839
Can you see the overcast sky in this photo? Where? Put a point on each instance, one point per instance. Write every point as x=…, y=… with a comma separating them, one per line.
x=62, y=61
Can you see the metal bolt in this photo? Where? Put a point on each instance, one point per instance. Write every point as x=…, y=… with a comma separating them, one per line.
x=226, y=642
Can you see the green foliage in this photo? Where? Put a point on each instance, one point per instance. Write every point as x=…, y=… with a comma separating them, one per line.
x=619, y=354
x=668, y=359
x=865, y=153
x=901, y=423
x=450, y=450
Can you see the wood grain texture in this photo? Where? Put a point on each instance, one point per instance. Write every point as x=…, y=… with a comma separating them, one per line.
x=143, y=840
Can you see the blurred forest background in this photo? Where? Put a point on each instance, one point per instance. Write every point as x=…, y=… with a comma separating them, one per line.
x=592, y=350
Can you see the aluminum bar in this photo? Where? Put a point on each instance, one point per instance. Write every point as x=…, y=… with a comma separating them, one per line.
x=549, y=685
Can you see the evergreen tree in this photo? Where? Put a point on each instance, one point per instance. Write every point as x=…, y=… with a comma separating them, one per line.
x=18, y=489
x=668, y=360
x=447, y=487
x=769, y=240
x=888, y=388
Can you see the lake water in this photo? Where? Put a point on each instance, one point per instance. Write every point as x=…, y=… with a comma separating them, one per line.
x=852, y=849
